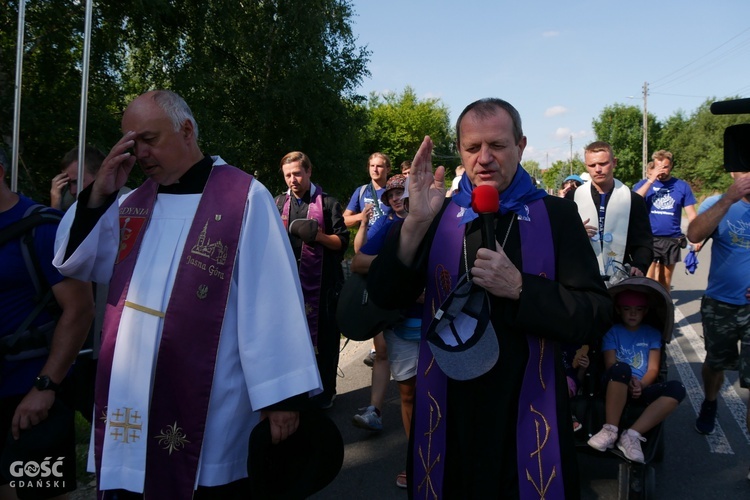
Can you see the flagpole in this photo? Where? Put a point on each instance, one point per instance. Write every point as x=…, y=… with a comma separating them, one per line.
x=84, y=95
x=17, y=105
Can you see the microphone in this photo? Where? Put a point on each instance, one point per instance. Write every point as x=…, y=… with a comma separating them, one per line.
x=731, y=107
x=485, y=201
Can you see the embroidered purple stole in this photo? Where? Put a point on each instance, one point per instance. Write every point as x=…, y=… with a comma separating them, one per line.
x=192, y=326
x=310, y=262
x=539, y=465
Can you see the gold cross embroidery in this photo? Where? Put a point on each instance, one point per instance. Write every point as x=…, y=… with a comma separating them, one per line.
x=123, y=427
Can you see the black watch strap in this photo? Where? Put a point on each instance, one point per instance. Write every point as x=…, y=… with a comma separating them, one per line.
x=43, y=383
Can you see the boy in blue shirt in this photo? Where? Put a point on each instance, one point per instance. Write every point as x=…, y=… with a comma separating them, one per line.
x=632, y=353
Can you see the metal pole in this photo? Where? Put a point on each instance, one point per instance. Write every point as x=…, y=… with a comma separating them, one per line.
x=17, y=106
x=84, y=95
x=645, y=129
x=571, y=155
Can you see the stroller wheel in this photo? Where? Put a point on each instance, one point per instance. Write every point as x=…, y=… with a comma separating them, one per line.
x=636, y=482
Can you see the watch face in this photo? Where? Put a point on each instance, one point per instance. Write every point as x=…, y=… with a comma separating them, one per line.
x=43, y=383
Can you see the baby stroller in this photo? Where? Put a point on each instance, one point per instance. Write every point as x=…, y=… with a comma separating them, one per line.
x=635, y=480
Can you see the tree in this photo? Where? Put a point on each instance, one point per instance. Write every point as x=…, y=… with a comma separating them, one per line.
x=622, y=127
x=51, y=90
x=697, y=144
x=262, y=78
x=553, y=176
x=398, y=123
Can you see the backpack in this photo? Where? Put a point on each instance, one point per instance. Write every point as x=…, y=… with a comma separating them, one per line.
x=39, y=338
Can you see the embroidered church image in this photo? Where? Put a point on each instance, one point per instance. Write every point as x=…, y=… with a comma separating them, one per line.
x=216, y=251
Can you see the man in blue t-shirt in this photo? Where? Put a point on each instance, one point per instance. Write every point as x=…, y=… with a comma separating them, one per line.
x=665, y=197
x=366, y=200
x=725, y=307
x=31, y=381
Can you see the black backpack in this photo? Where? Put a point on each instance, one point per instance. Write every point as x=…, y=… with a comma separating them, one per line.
x=25, y=339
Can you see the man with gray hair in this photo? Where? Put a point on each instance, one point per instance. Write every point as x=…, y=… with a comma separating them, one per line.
x=194, y=353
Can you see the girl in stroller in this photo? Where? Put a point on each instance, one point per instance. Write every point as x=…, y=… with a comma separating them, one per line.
x=632, y=355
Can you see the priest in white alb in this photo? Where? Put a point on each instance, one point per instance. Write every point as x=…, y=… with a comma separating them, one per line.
x=195, y=350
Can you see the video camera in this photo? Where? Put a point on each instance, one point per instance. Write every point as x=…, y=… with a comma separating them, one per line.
x=736, y=137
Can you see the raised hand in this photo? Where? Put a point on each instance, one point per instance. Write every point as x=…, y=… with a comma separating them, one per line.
x=426, y=189
x=56, y=188
x=426, y=197
x=739, y=189
x=114, y=171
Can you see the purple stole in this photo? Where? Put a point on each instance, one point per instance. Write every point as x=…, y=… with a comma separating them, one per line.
x=310, y=262
x=538, y=445
x=190, y=336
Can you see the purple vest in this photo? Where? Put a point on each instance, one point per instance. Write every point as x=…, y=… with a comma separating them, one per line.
x=538, y=451
x=190, y=336
x=310, y=262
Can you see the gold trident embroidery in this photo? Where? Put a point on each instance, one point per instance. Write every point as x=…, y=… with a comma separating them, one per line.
x=125, y=426
x=543, y=485
x=172, y=438
x=202, y=292
x=427, y=463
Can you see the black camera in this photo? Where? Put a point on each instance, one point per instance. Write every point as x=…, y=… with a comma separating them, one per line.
x=736, y=137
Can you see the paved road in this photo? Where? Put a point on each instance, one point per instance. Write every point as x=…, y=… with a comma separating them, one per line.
x=694, y=466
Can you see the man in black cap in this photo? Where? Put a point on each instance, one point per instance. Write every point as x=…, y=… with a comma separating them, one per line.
x=477, y=437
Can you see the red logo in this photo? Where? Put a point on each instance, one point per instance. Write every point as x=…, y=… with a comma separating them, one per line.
x=129, y=228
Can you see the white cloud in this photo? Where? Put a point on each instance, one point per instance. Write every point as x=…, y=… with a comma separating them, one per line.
x=555, y=110
x=565, y=133
x=550, y=34
x=562, y=133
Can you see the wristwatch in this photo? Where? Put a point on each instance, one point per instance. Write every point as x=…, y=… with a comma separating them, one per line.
x=43, y=383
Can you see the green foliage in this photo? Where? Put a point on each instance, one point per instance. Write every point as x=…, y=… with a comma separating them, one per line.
x=51, y=89
x=553, y=176
x=262, y=78
x=697, y=143
x=532, y=167
x=622, y=127
x=397, y=124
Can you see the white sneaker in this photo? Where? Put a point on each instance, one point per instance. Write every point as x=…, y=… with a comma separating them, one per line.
x=630, y=446
x=604, y=439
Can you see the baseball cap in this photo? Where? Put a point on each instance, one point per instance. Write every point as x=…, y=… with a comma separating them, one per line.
x=304, y=229
x=631, y=298
x=461, y=335
x=575, y=178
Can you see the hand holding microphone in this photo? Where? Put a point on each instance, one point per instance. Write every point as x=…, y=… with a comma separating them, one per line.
x=493, y=271
x=485, y=201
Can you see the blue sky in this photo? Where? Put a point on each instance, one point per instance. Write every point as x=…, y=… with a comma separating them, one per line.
x=559, y=63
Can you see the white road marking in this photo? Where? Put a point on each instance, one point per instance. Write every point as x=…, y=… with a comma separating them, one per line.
x=733, y=401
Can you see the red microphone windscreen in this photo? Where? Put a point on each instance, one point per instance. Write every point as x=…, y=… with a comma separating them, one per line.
x=485, y=199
